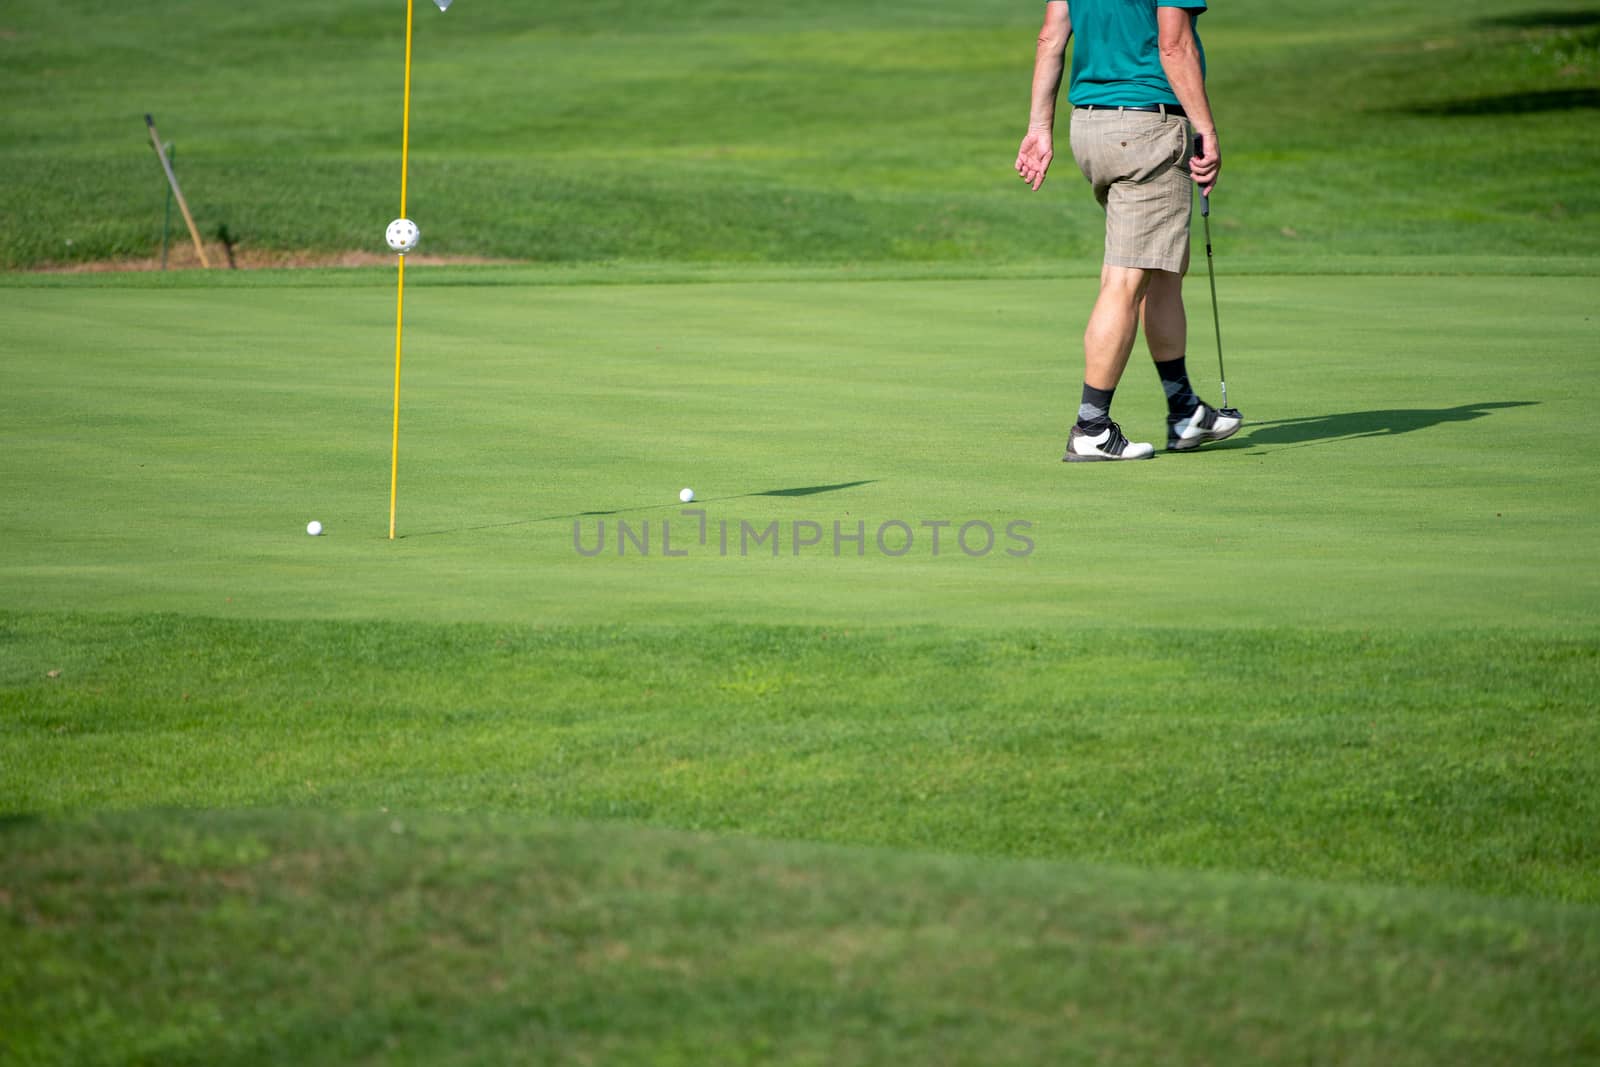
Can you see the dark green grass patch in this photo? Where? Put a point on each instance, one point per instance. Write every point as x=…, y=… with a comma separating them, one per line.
x=186, y=938
x=1463, y=759
x=826, y=132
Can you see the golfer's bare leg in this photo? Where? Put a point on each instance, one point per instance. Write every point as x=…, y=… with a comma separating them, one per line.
x=1166, y=326
x=1113, y=325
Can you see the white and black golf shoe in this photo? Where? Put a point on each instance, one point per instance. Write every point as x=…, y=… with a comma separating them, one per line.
x=1204, y=424
x=1084, y=447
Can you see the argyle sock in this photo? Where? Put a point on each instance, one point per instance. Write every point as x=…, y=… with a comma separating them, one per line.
x=1181, y=400
x=1094, y=412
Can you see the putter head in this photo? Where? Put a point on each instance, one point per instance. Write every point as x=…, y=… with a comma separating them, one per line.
x=1232, y=413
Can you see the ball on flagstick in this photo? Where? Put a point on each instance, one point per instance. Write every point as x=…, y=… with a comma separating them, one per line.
x=402, y=235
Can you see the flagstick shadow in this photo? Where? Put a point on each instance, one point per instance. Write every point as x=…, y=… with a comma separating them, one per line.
x=807, y=490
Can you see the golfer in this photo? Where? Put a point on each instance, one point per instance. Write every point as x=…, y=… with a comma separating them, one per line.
x=1138, y=109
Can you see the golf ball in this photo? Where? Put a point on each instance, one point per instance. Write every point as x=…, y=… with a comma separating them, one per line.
x=314, y=528
x=402, y=235
x=685, y=495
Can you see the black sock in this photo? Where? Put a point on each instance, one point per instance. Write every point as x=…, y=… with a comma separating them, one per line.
x=1094, y=412
x=1181, y=400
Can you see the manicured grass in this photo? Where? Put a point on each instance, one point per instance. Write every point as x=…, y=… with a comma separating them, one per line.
x=831, y=131
x=1440, y=759
x=1416, y=455
x=185, y=938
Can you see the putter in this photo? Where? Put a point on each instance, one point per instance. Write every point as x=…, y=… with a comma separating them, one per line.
x=1211, y=271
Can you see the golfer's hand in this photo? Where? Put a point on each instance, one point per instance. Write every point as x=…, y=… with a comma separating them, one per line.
x=1207, y=162
x=1033, y=158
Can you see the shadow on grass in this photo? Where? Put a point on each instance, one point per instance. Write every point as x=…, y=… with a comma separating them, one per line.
x=1545, y=20
x=1353, y=425
x=804, y=490
x=1511, y=104
x=1532, y=102
x=810, y=490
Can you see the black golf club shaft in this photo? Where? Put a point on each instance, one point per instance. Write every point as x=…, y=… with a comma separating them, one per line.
x=1211, y=272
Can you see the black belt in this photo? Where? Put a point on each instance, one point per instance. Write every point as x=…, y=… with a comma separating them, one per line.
x=1159, y=109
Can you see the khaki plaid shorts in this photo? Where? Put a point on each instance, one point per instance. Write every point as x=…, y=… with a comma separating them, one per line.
x=1138, y=163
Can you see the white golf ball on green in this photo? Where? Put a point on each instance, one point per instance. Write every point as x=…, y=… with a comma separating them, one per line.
x=685, y=494
x=314, y=528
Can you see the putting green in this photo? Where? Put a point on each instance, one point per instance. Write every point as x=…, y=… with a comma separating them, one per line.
x=1414, y=454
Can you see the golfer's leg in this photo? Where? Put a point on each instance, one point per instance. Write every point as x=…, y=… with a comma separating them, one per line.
x=1166, y=326
x=1113, y=325
x=1166, y=330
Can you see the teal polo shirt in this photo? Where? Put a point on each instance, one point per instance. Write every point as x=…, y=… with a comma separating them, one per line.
x=1116, y=58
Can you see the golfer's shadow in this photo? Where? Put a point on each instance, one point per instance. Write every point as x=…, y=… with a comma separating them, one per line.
x=1352, y=425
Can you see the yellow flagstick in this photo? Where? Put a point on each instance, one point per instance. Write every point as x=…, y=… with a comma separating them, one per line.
x=394, y=450
x=400, y=289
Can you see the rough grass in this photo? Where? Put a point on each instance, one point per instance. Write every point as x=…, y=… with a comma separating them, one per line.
x=833, y=132
x=189, y=938
x=1443, y=759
